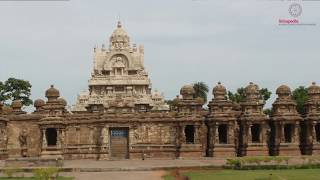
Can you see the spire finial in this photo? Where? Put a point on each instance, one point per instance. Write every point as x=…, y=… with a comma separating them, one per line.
x=119, y=24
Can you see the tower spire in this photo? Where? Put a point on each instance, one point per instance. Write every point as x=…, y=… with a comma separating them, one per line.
x=119, y=24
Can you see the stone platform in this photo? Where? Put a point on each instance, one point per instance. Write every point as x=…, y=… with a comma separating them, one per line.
x=33, y=162
x=89, y=165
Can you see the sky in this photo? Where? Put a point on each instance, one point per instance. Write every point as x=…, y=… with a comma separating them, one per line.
x=232, y=41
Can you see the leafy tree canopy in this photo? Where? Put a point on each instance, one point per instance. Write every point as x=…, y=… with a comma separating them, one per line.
x=15, y=89
x=202, y=90
x=300, y=95
x=239, y=95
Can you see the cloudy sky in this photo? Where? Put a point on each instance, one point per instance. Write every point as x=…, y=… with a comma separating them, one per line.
x=232, y=41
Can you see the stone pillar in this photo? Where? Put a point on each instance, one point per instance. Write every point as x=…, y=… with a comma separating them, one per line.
x=62, y=138
x=178, y=135
x=217, y=134
x=160, y=137
x=230, y=131
x=91, y=135
x=296, y=133
x=44, y=139
x=282, y=133
x=276, y=132
x=58, y=138
x=263, y=133
x=196, y=134
x=314, y=135
x=249, y=139
x=183, y=135
x=211, y=140
x=78, y=134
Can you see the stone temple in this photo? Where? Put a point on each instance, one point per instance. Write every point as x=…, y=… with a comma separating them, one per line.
x=119, y=80
x=120, y=118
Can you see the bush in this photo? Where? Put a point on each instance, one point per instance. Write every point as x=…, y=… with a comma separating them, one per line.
x=46, y=173
x=271, y=162
x=9, y=172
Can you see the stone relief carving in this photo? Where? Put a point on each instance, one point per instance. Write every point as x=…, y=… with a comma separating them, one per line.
x=136, y=134
x=62, y=138
x=105, y=135
x=4, y=137
x=23, y=139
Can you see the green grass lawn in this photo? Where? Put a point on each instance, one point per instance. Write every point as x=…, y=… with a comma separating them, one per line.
x=294, y=174
x=32, y=178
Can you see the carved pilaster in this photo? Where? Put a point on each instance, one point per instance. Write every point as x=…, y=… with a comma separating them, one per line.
x=282, y=133
x=296, y=133
x=183, y=135
x=230, y=134
x=62, y=138
x=58, y=138
x=91, y=135
x=314, y=135
x=196, y=134
x=211, y=137
x=44, y=139
x=216, y=134
x=78, y=134
x=249, y=139
x=105, y=135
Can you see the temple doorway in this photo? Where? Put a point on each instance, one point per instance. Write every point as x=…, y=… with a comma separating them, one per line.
x=119, y=143
x=288, y=133
x=255, y=132
x=317, y=128
x=223, y=134
x=189, y=133
x=51, y=136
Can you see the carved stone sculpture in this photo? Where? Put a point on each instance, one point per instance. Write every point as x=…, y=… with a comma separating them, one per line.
x=23, y=139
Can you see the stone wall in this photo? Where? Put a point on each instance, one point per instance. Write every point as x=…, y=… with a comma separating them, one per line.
x=15, y=126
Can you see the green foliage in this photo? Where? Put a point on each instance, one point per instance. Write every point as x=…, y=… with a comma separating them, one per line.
x=46, y=173
x=241, y=162
x=300, y=95
x=265, y=93
x=9, y=172
x=202, y=90
x=172, y=104
x=240, y=94
x=3, y=96
x=287, y=174
x=14, y=89
x=268, y=111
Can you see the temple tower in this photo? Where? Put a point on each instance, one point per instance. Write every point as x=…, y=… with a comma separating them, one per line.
x=191, y=136
x=119, y=81
x=254, y=126
x=285, y=124
x=223, y=128
x=311, y=133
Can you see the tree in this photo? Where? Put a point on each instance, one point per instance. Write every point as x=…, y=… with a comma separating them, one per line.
x=202, y=90
x=3, y=96
x=240, y=94
x=16, y=89
x=265, y=93
x=300, y=95
x=268, y=111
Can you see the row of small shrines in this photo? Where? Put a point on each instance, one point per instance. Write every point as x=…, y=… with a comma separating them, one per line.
x=224, y=130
